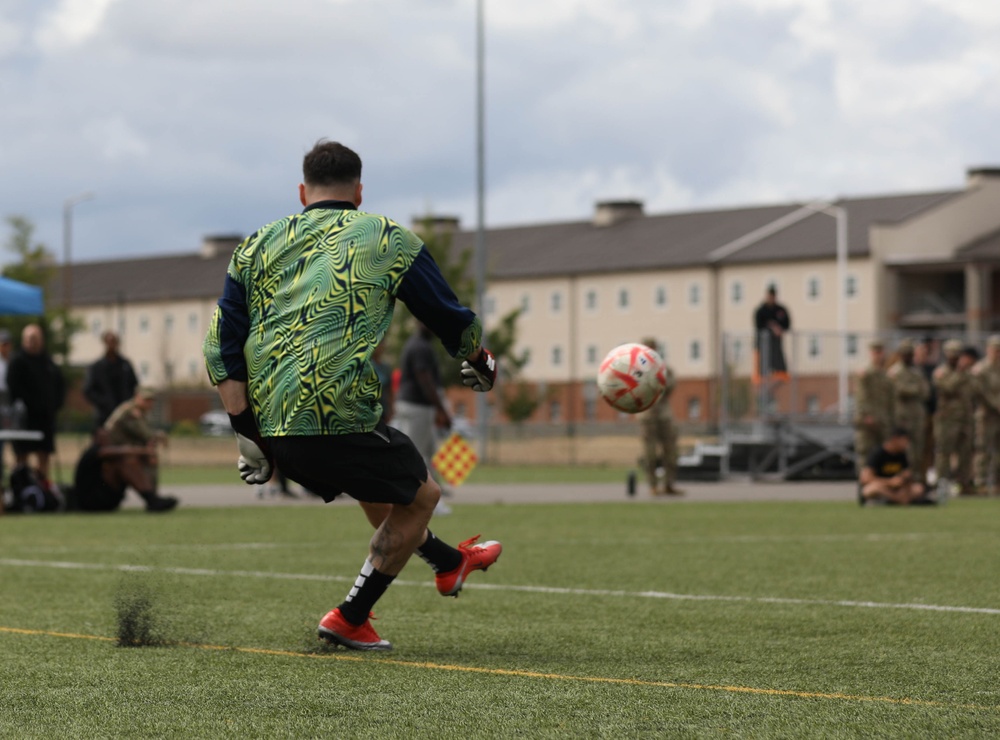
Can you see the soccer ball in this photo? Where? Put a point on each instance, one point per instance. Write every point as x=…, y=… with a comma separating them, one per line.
x=632, y=377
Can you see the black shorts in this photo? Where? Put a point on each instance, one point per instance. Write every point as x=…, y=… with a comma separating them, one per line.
x=379, y=467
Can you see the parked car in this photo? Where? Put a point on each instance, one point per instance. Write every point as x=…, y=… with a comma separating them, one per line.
x=215, y=424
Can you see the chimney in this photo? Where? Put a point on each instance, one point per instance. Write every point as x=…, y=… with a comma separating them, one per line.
x=215, y=245
x=429, y=225
x=611, y=212
x=977, y=175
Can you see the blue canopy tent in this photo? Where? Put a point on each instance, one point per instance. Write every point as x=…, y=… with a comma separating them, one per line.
x=20, y=298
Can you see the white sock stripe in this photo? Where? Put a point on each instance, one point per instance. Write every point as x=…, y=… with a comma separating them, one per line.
x=366, y=570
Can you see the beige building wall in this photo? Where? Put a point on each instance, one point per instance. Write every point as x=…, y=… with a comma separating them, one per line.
x=607, y=310
x=162, y=339
x=809, y=291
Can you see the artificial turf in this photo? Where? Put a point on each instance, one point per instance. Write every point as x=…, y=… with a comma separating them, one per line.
x=630, y=619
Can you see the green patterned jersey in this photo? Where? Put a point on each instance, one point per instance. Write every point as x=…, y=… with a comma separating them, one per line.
x=306, y=301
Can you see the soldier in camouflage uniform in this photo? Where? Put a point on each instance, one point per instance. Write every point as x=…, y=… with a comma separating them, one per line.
x=953, y=419
x=910, y=393
x=873, y=407
x=987, y=373
x=659, y=438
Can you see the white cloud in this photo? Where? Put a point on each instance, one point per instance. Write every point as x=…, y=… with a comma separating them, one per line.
x=210, y=104
x=71, y=23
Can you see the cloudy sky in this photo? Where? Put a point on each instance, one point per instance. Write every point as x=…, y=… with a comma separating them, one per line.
x=190, y=117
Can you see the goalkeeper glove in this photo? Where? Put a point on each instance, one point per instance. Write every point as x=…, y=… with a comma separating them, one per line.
x=255, y=463
x=480, y=374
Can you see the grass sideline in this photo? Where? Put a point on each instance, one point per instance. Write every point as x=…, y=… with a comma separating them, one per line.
x=173, y=475
x=603, y=620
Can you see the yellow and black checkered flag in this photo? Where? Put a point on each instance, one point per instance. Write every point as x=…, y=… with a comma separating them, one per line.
x=455, y=459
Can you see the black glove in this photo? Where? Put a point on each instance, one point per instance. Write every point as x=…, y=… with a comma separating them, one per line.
x=480, y=374
x=255, y=463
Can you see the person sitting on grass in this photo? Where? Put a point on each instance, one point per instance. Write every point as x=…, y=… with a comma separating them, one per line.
x=886, y=476
x=123, y=455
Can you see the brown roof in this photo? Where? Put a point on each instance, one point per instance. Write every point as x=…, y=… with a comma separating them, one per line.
x=667, y=241
x=987, y=247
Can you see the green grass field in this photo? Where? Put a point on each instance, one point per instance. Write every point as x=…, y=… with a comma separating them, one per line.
x=608, y=620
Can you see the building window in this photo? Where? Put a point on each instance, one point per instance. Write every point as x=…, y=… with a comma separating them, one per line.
x=590, y=301
x=694, y=408
x=557, y=355
x=556, y=302
x=623, y=298
x=592, y=354
x=144, y=324
x=193, y=367
x=736, y=292
x=555, y=411
x=660, y=296
x=852, y=345
x=851, y=286
x=812, y=288
x=694, y=294
x=143, y=371
x=193, y=322
x=525, y=303
x=95, y=327
x=814, y=346
x=489, y=305
x=812, y=405
x=736, y=352
x=527, y=356
x=168, y=372
x=168, y=323
x=695, y=350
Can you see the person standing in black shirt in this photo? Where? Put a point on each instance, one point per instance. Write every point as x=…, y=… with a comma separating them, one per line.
x=771, y=321
x=35, y=380
x=110, y=381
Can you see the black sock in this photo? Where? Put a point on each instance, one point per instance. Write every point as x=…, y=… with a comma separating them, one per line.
x=368, y=589
x=441, y=556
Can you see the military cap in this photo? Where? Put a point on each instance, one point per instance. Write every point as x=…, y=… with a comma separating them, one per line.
x=876, y=344
x=993, y=341
x=905, y=346
x=952, y=348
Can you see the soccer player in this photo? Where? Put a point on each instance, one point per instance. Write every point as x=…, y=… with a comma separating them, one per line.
x=306, y=301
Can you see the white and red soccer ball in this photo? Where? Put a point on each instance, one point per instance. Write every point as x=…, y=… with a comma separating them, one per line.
x=632, y=377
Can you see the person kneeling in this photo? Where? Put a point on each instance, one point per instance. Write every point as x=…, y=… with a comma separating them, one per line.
x=123, y=455
x=887, y=478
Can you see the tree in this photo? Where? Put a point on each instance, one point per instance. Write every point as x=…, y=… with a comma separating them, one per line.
x=455, y=266
x=35, y=265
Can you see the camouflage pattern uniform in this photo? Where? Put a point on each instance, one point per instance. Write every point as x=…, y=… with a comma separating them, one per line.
x=910, y=393
x=987, y=375
x=953, y=420
x=659, y=441
x=873, y=410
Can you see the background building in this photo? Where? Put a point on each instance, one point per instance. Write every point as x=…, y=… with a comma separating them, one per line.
x=924, y=262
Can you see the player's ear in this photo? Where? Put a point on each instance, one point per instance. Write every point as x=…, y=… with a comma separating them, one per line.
x=357, y=195
x=302, y=194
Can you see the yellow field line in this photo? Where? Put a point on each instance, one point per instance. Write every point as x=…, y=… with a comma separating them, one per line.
x=371, y=658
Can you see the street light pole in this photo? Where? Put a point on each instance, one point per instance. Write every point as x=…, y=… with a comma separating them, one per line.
x=482, y=408
x=68, y=246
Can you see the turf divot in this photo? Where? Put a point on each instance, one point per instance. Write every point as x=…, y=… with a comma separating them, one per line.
x=137, y=621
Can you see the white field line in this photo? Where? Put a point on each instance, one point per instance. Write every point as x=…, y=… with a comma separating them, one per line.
x=17, y=563
x=699, y=540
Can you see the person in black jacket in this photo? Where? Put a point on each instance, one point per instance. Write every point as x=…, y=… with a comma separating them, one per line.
x=771, y=320
x=35, y=380
x=110, y=381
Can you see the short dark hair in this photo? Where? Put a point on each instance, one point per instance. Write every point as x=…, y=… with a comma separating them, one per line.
x=900, y=432
x=331, y=163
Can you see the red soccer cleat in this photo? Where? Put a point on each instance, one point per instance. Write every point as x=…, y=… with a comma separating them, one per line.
x=336, y=630
x=474, y=557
